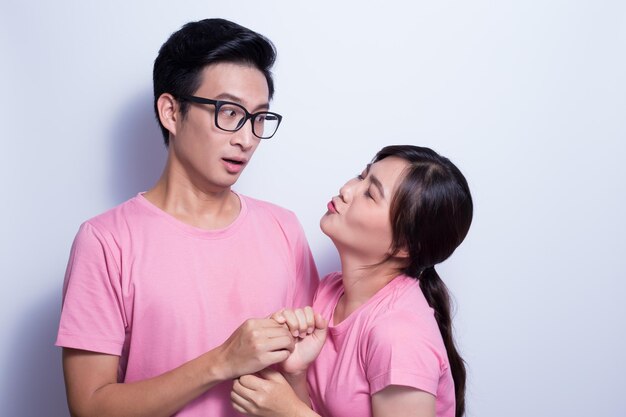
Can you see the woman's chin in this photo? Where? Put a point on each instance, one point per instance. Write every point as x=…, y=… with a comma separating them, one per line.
x=324, y=225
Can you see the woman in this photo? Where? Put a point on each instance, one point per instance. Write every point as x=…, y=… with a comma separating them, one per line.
x=388, y=348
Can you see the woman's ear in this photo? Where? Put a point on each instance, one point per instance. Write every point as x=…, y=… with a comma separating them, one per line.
x=402, y=253
x=167, y=108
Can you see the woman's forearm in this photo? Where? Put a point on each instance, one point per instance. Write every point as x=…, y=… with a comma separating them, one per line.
x=300, y=387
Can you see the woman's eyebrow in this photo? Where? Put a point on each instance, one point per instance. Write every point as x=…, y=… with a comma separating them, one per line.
x=378, y=185
x=375, y=181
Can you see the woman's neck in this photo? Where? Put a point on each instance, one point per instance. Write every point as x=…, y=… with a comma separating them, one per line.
x=362, y=279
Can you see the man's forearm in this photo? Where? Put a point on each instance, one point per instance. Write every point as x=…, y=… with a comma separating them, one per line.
x=161, y=396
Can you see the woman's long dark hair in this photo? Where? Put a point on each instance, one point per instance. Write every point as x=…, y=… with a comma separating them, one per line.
x=431, y=213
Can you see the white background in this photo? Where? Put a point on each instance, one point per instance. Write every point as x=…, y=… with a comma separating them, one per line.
x=528, y=98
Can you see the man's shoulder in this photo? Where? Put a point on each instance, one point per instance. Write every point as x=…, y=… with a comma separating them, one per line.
x=265, y=208
x=117, y=216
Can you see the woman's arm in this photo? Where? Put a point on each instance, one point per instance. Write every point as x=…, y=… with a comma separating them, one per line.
x=310, y=330
x=401, y=401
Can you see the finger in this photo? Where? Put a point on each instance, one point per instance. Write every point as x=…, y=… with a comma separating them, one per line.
x=272, y=375
x=271, y=332
x=267, y=323
x=303, y=326
x=285, y=342
x=246, y=384
x=292, y=322
x=242, y=389
x=310, y=319
x=240, y=403
x=271, y=358
x=239, y=409
x=278, y=317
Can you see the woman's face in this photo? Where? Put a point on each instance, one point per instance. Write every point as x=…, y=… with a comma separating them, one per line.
x=358, y=218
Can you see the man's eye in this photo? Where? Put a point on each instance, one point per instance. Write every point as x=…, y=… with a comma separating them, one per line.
x=368, y=194
x=228, y=112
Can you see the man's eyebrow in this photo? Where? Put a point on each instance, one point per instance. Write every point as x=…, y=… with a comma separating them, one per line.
x=238, y=100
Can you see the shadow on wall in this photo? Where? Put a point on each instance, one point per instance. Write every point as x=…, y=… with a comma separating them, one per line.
x=138, y=153
x=34, y=364
x=328, y=260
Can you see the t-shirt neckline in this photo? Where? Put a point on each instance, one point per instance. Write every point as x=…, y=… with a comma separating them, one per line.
x=347, y=322
x=196, y=231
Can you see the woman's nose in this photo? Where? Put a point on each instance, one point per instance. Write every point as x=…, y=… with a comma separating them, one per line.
x=346, y=192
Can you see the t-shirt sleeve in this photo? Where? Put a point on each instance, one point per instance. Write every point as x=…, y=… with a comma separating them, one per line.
x=307, y=278
x=401, y=351
x=92, y=316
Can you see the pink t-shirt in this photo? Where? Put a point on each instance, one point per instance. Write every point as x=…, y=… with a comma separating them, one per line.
x=392, y=339
x=158, y=292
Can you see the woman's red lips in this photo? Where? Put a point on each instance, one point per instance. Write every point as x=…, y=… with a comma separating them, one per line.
x=331, y=207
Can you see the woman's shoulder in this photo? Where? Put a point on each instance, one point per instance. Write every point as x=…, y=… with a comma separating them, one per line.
x=404, y=308
x=331, y=278
x=328, y=288
x=330, y=283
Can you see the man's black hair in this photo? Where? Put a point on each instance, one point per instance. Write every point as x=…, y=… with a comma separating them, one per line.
x=181, y=59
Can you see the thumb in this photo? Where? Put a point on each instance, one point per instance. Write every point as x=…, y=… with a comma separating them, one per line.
x=278, y=317
x=321, y=326
x=320, y=322
x=271, y=374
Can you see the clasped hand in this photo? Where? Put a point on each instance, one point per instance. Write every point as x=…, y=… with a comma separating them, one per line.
x=268, y=393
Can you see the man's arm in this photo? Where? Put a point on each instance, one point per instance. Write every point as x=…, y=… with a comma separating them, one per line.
x=268, y=394
x=93, y=390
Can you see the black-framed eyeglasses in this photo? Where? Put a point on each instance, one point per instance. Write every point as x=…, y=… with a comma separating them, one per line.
x=231, y=117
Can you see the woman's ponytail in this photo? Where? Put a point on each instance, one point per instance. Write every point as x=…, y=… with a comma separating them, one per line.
x=436, y=293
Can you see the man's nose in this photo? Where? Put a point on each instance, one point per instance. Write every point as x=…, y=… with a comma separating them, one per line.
x=244, y=137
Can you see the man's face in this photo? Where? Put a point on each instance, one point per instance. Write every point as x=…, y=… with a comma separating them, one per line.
x=210, y=157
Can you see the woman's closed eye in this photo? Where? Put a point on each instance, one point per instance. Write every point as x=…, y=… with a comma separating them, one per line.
x=362, y=177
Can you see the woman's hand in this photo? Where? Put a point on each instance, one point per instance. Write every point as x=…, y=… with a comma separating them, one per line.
x=267, y=395
x=309, y=329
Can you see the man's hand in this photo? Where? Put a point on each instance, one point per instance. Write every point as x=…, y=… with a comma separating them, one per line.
x=267, y=395
x=255, y=345
x=310, y=330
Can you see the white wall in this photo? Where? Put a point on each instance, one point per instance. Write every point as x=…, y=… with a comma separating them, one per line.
x=527, y=97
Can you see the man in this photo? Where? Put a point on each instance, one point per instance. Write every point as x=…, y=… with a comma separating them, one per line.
x=159, y=290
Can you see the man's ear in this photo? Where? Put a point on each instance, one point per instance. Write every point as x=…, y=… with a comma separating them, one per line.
x=167, y=108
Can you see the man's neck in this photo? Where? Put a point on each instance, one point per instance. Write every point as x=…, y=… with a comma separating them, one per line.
x=197, y=206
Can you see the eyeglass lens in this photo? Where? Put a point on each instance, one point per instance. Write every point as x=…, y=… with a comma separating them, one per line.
x=231, y=117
